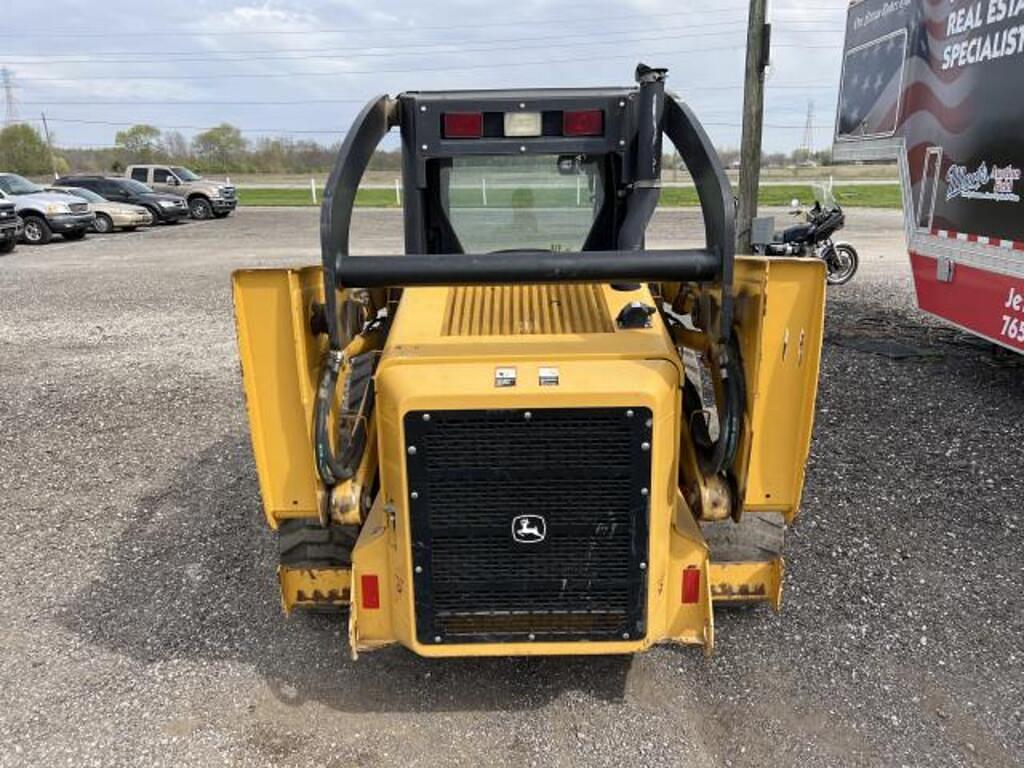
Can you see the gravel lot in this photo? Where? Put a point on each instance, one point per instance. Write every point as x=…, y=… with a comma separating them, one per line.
x=139, y=617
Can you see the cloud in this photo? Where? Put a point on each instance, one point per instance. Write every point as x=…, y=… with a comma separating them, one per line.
x=316, y=50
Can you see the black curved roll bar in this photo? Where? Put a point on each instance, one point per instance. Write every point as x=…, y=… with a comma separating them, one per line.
x=631, y=262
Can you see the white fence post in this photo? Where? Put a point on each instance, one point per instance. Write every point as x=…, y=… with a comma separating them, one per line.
x=312, y=189
x=483, y=190
x=577, y=190
x=398, y=193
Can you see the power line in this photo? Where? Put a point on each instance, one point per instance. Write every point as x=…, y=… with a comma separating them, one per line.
x=298, y=54
x=337, y=132
x=134, y=103
x=151, y=33
x=417, y=70
x=444, y=49
x=116, y=124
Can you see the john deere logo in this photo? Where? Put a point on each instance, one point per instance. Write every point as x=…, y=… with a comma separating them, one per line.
x=529, y=529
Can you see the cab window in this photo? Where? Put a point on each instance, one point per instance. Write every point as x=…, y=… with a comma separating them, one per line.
x=161, y=175
x=544, y=202
x=140, y=174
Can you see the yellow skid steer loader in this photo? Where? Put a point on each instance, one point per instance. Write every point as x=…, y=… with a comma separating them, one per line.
x=530, y=434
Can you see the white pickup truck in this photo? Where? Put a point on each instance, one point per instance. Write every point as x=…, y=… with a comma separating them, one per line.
x=206, y=198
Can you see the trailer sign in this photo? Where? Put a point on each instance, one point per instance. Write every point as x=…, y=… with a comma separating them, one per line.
x=961, y=183
x=935, y=85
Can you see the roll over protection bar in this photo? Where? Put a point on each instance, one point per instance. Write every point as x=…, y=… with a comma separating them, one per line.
x=659, y=113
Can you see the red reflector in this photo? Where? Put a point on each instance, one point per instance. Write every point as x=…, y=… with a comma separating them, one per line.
x=369, y=588
x=691, y=585
x=463, y=125
x=583, y=122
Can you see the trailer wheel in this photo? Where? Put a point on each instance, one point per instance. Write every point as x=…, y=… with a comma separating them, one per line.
x=756, y=538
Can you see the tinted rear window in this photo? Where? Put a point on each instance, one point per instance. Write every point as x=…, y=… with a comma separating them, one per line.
x=140, y=174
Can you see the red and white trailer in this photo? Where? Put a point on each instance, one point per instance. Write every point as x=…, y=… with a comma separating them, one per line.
x=938, y=85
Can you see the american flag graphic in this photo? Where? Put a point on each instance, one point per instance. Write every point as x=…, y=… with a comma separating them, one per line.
x=872, y=78
x=936, y=103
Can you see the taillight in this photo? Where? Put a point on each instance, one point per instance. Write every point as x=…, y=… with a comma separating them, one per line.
x=463, y=125
x=369, y=590
x=691, y=585
x=583, y=122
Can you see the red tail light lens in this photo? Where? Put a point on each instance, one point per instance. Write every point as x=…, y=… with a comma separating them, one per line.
x=691, y=585
x=369, y=590
x=583, y=122
x=463, y=125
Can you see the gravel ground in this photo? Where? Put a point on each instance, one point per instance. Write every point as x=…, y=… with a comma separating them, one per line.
x=139, y=617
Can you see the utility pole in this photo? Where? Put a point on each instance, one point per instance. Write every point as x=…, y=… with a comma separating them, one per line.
x=49, y=143
x=11, y=107
x=808, y=146
x=758, y=45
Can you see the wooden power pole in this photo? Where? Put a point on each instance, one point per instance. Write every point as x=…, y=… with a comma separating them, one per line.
x=758, y=44
x=49, y=144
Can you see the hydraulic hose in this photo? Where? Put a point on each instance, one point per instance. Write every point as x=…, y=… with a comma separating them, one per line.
x=331, y=469
x=717, y=456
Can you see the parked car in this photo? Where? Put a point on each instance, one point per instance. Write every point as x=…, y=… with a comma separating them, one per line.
x=43, y=213
x=109, y=214
x=10, y=227
x=206, y=198
x=165, y=209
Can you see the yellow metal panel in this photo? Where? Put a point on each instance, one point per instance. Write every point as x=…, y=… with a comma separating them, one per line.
x=691, y=623
x=279, y=359
x=313, y=587
x=371, y=628
x=780, y=312
x=746, y=582
x=515, y=310
x=419, y=329
x=406, y=384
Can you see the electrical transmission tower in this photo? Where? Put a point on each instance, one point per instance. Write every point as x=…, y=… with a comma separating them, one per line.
x=10, y=104
x=808, y=145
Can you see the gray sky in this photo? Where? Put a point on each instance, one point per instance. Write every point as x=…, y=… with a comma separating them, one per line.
x=311, y=63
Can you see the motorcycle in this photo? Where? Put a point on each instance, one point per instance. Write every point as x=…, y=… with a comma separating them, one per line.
x=814, y=238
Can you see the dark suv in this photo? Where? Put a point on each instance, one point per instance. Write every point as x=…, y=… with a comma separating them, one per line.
x=165, y=209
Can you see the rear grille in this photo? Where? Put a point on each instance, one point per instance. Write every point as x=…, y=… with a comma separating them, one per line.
x=515, y=310
x=577, y=476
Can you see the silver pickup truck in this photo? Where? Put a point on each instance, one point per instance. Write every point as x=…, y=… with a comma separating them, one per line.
x=44, y=214
x=206, y=198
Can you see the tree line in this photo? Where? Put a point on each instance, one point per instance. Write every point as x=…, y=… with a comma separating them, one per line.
x=223, y=149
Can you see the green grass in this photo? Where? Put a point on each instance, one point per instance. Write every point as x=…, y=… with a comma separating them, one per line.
x=375, y=198
x=849, y=195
